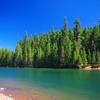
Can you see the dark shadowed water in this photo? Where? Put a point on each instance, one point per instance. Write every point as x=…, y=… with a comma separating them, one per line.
x=66, y=84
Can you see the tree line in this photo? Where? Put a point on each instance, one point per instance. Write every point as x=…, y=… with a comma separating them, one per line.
x=67, y=48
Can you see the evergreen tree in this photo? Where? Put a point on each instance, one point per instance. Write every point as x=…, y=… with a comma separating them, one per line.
x=18, y=55
x=77, y=30
x=75, y=46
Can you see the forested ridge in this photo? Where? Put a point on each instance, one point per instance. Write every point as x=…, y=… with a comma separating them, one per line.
x=66, y=48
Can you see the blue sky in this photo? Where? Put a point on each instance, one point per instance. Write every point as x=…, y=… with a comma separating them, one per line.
x=37, y=16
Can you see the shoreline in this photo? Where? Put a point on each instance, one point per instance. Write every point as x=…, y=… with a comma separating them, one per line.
x=4, y=97
x=61, y=67
x=90, y=67
x=83, y=68
x=25, y=95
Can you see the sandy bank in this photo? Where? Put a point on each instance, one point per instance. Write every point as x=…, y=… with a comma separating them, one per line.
x=4, y=97
x=26, y=96
x=91, y=68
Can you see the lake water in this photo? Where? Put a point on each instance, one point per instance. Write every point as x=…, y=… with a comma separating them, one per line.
x=64, y=84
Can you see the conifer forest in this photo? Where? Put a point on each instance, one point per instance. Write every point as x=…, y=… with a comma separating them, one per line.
x=76, y=47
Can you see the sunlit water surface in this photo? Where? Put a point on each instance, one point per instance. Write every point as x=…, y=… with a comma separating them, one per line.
x=64, y=84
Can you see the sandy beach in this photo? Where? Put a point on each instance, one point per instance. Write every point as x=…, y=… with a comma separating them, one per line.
x=4, y=97
x=25, y=95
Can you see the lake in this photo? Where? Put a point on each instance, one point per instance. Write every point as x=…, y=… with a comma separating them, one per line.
x=63, y=84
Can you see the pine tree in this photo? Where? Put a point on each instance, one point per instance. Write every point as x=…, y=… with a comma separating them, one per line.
x=25, y=50
x=75, y=46
x=84, y=56
x=18, y=55
x=77, y=30
x=29, y=54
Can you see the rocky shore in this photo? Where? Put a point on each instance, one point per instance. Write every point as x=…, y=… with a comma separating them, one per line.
x=92, y=68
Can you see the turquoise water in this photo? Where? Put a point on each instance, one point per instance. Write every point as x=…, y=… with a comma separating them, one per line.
x=66, y=84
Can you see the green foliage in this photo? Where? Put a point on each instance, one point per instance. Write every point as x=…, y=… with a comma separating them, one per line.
x=6, y=57
x=75, y=46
